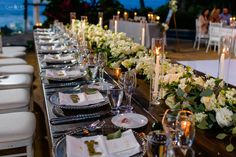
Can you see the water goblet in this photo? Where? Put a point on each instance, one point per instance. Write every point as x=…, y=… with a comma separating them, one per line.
x=185, y=129
x=93, y=66
x=169, y=125
x=102, y=61
x=116, y=97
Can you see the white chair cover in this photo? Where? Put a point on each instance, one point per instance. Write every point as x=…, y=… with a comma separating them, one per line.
x=12, y=61
x=17, y=69
x=16, y=126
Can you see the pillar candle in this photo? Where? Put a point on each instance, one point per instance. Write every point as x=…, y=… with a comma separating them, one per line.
x=100, y=21
x=157, y=71
x=221, y=68
x=143, y=37
x=115, y=26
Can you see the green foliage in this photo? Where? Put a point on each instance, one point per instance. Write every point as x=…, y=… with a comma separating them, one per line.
x=221, y=136
x=229, y=148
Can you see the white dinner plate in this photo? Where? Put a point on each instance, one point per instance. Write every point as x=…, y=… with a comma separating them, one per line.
x=129, y=120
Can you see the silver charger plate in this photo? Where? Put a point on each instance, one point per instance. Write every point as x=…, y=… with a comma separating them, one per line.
x=60, y=148
x=54, y=99
x=69, y=78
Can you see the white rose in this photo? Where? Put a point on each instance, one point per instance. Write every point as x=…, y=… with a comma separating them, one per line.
x=209, y=102
x=224, y=117
x=170, y=101
x=198, y=81
x=221, y=99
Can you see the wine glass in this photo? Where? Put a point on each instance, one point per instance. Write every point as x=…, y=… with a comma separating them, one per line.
x=93, y=66
x=102, y=61
x=116, y=97
x=129, y=85
x=169, y=125
x=185, y=129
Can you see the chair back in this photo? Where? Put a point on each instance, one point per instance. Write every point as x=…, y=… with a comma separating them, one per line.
x=215, y=31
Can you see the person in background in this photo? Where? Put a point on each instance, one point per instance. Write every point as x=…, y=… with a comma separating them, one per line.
x=203, y=20
x=215, y=15
x=225, y=16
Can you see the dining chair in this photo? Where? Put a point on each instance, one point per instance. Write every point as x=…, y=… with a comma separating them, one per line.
x=12, y=54
x=15, y=81
x=199, y=37
x=16, y=69
x=14, y=100
x=17, y=130
x=214, y=36
x=12, y=61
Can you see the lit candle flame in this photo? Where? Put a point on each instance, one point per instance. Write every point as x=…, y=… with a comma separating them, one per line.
x=135, y=13
x=185, y=126
x=118, y=12
x=157, y=50
x=117, y=72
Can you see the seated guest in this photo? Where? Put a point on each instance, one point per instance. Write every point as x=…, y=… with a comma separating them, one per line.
x=215, y=15
x=203, y=20
x=225, y=16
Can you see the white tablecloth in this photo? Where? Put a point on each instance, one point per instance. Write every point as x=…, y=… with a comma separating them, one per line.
x=210, y=67
x=133, y=30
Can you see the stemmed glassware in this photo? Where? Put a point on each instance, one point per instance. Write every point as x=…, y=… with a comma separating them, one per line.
x=93, y=66
x=185, y=129
x=179, y=128
x=102, y=61
x=129, y=84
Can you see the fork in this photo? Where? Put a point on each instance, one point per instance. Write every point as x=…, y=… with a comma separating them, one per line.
x=71, y=129
x=85, y=130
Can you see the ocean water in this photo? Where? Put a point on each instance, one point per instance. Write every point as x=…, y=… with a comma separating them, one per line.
x=12, y=11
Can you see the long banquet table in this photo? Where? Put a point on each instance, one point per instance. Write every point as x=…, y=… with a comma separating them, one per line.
x=205, y=144
x=133, y=30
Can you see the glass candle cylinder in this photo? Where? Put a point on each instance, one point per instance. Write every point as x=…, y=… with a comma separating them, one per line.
x=226, y=49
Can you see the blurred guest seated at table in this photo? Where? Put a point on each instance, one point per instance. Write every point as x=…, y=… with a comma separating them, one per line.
x=203, y=20
x=215, y=15
x=225, y=16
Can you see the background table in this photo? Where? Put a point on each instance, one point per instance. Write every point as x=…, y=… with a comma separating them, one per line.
x=210, y=67
x=133, y=30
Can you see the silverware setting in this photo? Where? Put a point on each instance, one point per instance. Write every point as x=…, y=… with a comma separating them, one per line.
x=76, y=118
x=83, y=131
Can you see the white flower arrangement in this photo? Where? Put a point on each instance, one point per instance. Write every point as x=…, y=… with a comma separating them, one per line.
x=173, y=5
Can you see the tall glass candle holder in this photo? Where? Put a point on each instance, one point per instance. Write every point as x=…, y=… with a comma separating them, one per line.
x=225, y=57
x=100, y=18
x=143, y=31
x=115, y=23
x=155, y=91
x=72, y=16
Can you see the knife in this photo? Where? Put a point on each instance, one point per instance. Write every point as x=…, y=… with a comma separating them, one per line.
x=77, y=118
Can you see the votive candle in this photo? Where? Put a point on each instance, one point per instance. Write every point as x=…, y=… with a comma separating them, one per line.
x=185, y=126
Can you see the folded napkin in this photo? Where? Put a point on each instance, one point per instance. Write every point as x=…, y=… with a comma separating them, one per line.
x=80, y=99
x=76, y=147
x=53, y=48
x=62, y=74
x=125, y=146
x=57, y=57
